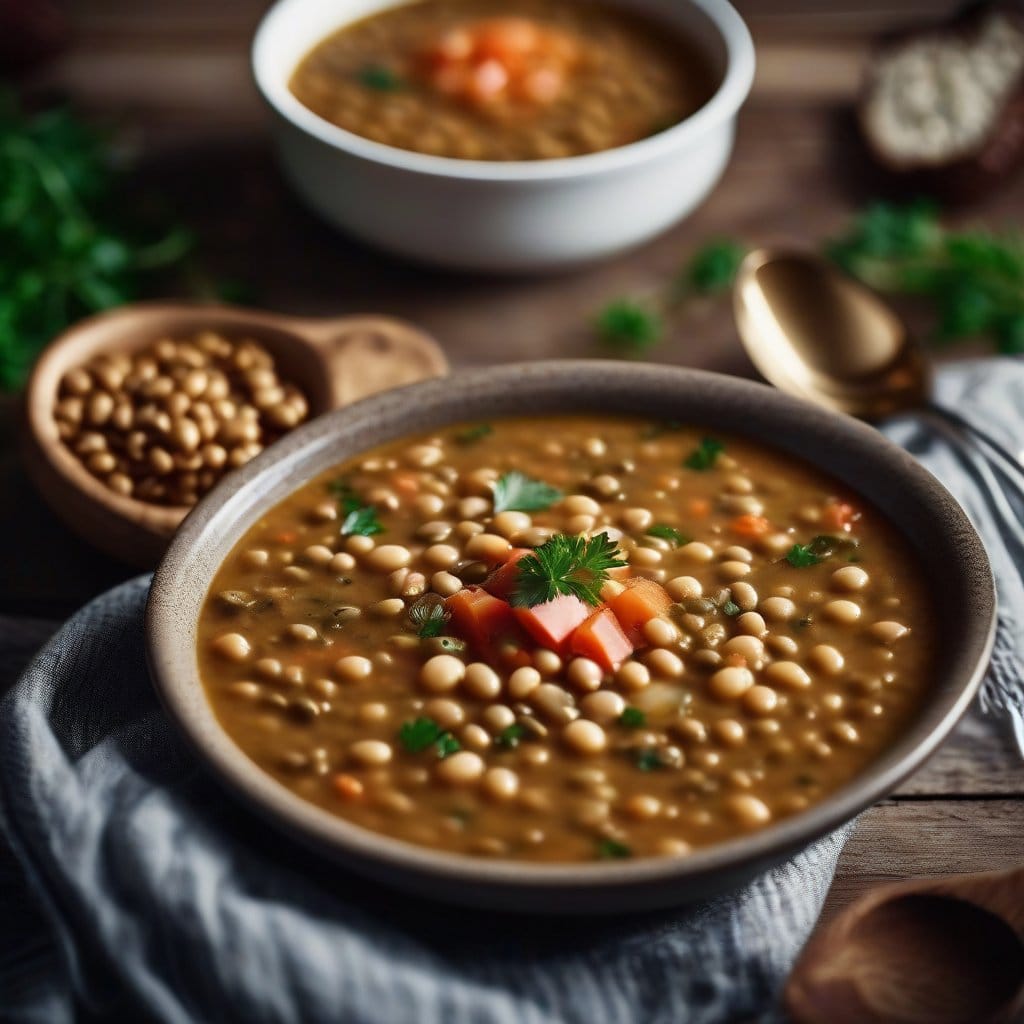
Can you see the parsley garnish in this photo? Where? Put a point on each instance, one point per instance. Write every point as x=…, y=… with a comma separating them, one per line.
x=421, y=733
x=473, y=434
x=705, y=455
x=633, y=718
x=629, y=325
x=669, y=533
x=429, y=617
x=359, y=519
x=612, y=849
x=801, y=556
x=713, y=267
x=731, y=608
x=383, y=79
x=648, y=759
x=516, y=492
x=510, y=736
x=565, y=564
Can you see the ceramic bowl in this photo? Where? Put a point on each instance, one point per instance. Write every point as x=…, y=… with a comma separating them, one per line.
x=497, y=216
x=952, y=557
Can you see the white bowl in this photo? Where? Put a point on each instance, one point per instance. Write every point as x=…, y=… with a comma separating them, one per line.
x=491, y=215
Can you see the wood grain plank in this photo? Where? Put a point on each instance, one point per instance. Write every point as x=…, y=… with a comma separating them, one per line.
x=909, y=839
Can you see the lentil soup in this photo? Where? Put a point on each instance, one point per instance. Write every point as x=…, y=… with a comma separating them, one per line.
x=567, y=638
x=504, y=79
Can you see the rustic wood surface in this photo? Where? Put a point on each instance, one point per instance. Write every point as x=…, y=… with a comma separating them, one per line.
x=174, y=74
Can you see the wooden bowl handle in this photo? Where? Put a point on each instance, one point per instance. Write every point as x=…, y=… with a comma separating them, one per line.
x=366, y=354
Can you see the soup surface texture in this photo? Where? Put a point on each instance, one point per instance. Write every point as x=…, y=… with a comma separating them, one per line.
x=504, y=79
x=435, y=640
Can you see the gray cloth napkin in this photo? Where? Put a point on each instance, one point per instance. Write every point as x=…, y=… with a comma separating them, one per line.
x=138, y=890
x=130, y=885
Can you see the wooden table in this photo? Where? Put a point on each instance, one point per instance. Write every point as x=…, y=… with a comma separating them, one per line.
x=174, y=72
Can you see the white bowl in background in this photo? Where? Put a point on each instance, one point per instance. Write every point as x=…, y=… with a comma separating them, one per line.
x=493, y=215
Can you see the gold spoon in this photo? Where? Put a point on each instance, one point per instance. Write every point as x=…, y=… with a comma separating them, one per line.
x=928, y=951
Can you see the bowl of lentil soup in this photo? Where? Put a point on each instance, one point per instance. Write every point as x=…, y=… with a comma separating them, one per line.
x=571, y=636
x=561, y=132
x=133, y=414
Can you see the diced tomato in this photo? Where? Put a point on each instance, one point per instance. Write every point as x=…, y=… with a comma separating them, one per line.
x=838, y=515
x=602, y=639
x=481, y=619
x=502, y=581
x=750, y=526
x=641, y=601
x=552, y=623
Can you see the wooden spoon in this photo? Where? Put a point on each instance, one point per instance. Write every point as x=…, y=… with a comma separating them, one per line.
x=334, y=362
x=928, y=951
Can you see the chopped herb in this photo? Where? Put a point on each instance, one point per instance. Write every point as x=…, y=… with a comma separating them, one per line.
x=473, y=434
x=800, y=556
x=383, y=79
x=731, y=608
x=648, y=759
x=510, y=736
x=633, y=718
x=669, y=533
x=656, y=430
x=418, y=734
x=713, y=267
x=429, y=618
x=361, y=522
x=421, y=733
x=564, y=564
x=447, y=745
x=705, y=455
x=827, y=545
x=629, y=325
x=612, y=849
x=516, y=492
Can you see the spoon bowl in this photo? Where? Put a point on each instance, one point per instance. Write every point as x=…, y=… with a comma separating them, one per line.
x=332, y=361
x=815, y=332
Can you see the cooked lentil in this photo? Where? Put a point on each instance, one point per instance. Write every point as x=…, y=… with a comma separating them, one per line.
x=722, y=718
x=505, y=80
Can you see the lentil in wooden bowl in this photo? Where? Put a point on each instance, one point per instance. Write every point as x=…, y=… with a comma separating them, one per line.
x=133, y=415
x=571, y=636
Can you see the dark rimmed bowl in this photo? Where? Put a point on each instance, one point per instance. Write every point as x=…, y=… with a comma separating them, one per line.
x=952, y=556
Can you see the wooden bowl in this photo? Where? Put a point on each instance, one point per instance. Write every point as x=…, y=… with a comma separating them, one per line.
x=334, y=362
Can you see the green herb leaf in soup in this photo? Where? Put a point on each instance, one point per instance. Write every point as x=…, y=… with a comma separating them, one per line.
x=800, y=556
x=566, y=564
x=516, y=492
x=669, y=533
x=705, y=455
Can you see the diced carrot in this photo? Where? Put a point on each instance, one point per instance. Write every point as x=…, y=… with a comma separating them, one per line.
x=839, y=515
x=750, y=526
x=480, y=618
x=502, y=581
x=551, y=624
x=348, y=787
x=641, y=601
x=602, y=639
x=699, y=508
x=286, y=537
x=407, y=483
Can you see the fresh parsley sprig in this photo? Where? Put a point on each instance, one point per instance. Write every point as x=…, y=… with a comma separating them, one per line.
x=705, y=455
x=516, y=492
x=429, y=618
x=669, y=533
x=359, y=519
x=421, y=733
x=569, y=565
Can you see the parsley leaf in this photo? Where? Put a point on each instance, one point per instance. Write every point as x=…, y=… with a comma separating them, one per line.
x=429, y=617
x=380, y=78
x=705, y=455
x=800, y=556
x=629, y=325
x=516, y=492
x=447, y=745
x=669, y=533
x=648, y=759
x=731, y=608
x=473, y=434
x=418, y=734
x=713, y=267
x=612, y=849
x=633, y=718
x=361, y=522
x=510, y=736
x=564, y=564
